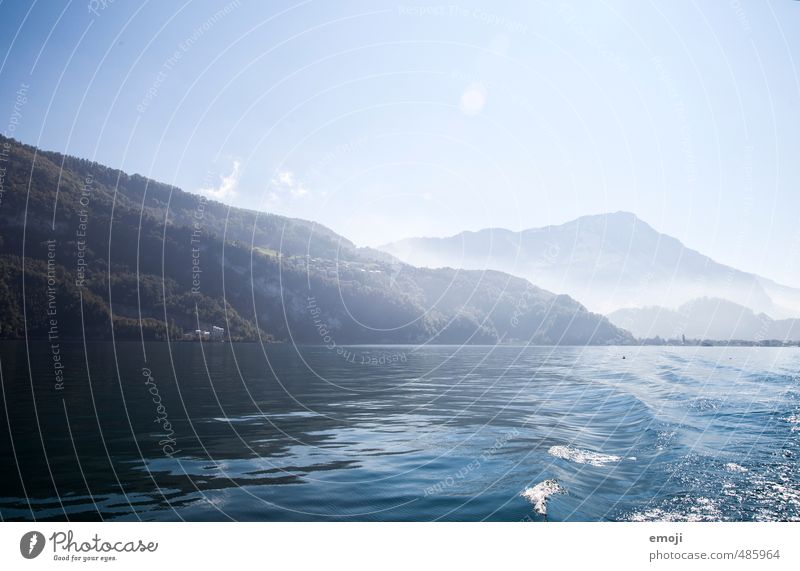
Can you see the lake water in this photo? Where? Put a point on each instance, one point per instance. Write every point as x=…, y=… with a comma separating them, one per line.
x=245, y=432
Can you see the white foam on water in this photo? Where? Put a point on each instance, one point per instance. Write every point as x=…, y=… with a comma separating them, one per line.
x=538, y=494
x=734, y=467
x=585, y=456
x=701, y=509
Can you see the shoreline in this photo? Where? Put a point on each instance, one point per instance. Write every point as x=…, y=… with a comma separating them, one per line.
x=771, y=343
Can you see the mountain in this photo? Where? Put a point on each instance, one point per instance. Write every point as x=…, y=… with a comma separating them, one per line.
x=608, y=261
x=706, y=318
x=87, y=251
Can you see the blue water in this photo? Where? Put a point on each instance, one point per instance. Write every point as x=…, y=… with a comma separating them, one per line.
x=399, y=433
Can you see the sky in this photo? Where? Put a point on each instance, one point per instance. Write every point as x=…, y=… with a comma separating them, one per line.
x=385, y=120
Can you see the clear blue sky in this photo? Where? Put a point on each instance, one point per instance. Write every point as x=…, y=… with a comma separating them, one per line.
x=384, y=120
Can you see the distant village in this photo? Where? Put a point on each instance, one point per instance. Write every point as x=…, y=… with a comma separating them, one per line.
x=217, y=334
x=332, y=268
x=717, y=342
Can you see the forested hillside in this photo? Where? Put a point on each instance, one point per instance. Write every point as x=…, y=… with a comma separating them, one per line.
x=86, y=250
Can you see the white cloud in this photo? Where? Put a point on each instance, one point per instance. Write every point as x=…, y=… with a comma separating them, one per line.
x=299, y=191
x=227, y=185
x=473, y=99
x=286, y=178
x=286, y=183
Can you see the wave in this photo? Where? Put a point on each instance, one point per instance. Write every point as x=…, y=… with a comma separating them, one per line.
x=734, y=467
x=794, y=420
x=538, y=494
x=585, y=456
x=694, y=510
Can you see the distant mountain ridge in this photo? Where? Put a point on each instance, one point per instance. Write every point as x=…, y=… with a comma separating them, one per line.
x=608, y=261
x=706, y=318
x=120, y=256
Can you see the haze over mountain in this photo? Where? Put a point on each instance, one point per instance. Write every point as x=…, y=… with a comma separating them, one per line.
x=87, y=251
x=608, y=261
x=705, y=318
